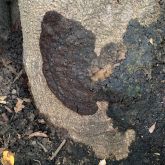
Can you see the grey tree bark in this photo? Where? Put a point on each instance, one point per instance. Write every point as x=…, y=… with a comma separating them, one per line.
x=72, y=48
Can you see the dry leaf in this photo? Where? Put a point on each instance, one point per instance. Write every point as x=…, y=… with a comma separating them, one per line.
x=7, y=158
x=152, y=128
x=38, y=134
x=19, y=105
x=102, y=162
x=2, y=99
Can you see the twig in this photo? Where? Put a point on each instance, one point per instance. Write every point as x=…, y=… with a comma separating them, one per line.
x=18, y=76
x=54, y=154
x=42, y=146
x=8, y=109
x=37, y=161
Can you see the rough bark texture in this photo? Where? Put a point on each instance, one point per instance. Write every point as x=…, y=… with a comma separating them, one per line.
x=113, y=43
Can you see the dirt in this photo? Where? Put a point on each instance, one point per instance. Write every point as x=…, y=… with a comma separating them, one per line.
x=139, y=114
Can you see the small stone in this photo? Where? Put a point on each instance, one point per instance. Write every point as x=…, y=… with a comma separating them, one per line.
x=14, y=92
x=151, y=41
x=34, y=143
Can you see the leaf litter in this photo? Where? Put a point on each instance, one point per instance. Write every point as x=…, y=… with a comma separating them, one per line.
x=2, y=99
x=152, y=128
x=19, y=105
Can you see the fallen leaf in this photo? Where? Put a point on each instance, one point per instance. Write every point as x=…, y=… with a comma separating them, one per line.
x=7, y=158
x=2, y=99
x=38, y=134
x=102, y=162
x=152, y=128
x=19, y=105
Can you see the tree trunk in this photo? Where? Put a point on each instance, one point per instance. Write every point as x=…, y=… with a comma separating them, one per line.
x=81, y=57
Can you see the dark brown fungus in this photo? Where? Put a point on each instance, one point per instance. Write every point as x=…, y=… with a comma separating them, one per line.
x=72, y=70
x=67, y=50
